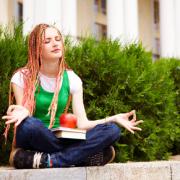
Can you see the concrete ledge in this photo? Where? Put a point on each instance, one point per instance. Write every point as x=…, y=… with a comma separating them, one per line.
x=160, y=170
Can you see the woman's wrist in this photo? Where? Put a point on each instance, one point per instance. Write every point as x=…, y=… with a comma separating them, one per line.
x=26, y=112
x=110, y=119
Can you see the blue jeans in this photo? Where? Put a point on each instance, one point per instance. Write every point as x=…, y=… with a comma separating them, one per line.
x=33, y=135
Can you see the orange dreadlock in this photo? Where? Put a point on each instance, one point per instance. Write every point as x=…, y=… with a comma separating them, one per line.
x=31, y=70
x=33, y=67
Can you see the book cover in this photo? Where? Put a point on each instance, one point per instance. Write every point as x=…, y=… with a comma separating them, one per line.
x=63, y=132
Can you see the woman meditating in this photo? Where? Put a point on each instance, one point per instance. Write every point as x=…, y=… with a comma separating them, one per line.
x=41, y=89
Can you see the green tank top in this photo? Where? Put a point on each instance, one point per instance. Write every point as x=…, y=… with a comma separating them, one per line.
x=44, y=98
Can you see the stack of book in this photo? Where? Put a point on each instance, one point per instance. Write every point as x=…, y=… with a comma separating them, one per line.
x=63, y=132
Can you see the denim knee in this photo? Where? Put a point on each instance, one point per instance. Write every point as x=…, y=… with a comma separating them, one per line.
x=26, y=128
x=115, y=131
x=29, y=125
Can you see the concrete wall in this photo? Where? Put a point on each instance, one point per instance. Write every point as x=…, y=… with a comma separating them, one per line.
x=162, y=170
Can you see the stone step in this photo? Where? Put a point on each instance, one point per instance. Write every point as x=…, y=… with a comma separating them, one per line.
x=156, y=170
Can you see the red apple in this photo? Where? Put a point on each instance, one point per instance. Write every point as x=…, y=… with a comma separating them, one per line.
x=68, y=120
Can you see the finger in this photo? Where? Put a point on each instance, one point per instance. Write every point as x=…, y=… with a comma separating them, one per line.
x=7, y=117
x=11, y=121
x=4, y=117
x=131, y=113
x=135, y=123
x=133, y=120
x=129, y=129
x=136, y=128
x=138, y=122
x=11, y=108
x=134, y=115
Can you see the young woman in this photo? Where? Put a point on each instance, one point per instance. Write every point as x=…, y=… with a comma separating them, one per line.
x=41, y=91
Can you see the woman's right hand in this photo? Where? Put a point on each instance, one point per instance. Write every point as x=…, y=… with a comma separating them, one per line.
x=16, y=114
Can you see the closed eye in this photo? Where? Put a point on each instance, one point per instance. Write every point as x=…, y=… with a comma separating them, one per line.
x=58, y=38
x=48, y=40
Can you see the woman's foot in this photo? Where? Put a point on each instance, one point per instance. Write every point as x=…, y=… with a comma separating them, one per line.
x=101, y=158
x=24, y=159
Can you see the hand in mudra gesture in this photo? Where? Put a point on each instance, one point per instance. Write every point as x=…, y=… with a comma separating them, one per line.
x=16, y=114
x=124, y=120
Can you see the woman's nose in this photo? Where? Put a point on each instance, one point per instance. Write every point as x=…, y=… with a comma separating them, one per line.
x=54, y=42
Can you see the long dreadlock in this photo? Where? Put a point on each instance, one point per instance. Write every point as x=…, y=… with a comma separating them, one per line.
x=31, y=70
x=33, y=67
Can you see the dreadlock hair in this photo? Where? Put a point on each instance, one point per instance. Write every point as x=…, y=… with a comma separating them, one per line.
x=32, y=68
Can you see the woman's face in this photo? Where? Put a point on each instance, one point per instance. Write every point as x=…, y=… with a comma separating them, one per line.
x=51, y=44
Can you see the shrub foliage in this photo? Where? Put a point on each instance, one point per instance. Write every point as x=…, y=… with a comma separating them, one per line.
x=13, y=54
x=119, y=79
x=116, y=79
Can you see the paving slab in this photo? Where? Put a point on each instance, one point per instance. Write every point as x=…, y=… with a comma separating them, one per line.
x=175, y=170
x=131, y=171
x=43, y=174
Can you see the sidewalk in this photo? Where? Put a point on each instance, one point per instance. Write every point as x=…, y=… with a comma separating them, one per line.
x=157, y=170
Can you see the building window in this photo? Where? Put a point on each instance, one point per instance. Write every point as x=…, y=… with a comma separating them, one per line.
x=156, y=13
x=103, y=6
x=20, y=11
x=156, y=36
x=100, y=31
x=100, y=6
x=156, y=52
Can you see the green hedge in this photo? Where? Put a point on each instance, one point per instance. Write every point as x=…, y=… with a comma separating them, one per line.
x=118, y=79
x=13, y=54
x=115, y=79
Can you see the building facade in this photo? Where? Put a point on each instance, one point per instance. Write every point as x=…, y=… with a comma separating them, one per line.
x=155, y=23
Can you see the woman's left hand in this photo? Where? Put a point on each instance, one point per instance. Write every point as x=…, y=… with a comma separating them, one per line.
x=124, y=121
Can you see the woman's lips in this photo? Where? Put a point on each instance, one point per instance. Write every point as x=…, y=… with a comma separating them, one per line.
x=56, y=50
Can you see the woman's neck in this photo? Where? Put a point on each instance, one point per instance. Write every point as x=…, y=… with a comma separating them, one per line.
x=50, y=69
